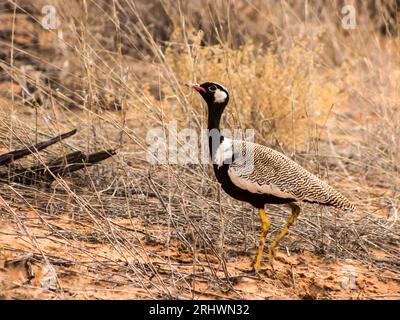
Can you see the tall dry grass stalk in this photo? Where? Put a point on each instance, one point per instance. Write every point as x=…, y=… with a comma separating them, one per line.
x=325, y=96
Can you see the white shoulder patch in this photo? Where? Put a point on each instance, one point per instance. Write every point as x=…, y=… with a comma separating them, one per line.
x=220, y=96
x=224, y=152
x=252, y=186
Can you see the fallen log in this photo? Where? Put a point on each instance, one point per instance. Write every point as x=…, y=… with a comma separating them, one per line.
x=9, y=157
x=47, y=172
x=56, y=168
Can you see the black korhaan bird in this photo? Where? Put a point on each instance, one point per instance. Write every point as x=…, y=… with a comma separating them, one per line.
x=259, y=175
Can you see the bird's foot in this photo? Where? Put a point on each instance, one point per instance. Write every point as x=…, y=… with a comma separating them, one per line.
x=271, y=256
x=256, y=265
x=257, y=271
x=262, y=273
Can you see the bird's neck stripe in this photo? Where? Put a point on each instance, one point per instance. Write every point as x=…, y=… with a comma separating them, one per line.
x=224, y=152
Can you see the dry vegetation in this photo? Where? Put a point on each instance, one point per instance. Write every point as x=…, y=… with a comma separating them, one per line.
x=327, y=97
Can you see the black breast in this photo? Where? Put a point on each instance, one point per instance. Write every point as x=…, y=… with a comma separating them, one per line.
x=258, y=200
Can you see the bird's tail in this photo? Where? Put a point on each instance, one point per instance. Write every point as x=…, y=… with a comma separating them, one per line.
x=339, y=201
x=335, y=199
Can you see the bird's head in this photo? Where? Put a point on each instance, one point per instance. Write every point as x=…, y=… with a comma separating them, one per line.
x=213, y=93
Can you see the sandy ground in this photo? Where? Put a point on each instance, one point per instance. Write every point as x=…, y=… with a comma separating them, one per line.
x=297, y=276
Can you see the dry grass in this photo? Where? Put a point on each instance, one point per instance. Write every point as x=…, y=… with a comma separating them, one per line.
x=327, y=97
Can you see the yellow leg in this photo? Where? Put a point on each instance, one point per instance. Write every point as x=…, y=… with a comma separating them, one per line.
x=292, y=219
x=264, y=230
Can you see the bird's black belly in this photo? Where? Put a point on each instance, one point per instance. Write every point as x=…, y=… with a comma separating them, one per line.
x=258, y=200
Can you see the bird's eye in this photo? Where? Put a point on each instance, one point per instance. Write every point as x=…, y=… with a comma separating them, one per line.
x=212, y=88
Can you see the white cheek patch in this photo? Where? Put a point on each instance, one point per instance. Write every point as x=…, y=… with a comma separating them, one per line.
x=220, y=96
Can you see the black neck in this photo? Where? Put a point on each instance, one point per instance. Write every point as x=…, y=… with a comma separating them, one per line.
x=214, y=135
x=214, y=117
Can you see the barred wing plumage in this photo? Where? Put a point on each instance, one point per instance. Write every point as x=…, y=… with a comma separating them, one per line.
x=260, y=169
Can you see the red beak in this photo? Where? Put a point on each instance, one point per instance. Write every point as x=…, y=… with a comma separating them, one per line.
x=196, y=87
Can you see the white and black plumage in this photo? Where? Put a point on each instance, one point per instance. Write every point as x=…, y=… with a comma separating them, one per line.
x=260, y=175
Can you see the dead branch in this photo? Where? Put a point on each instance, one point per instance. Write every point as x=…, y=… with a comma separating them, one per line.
x=56, y=168
x=18, y=154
